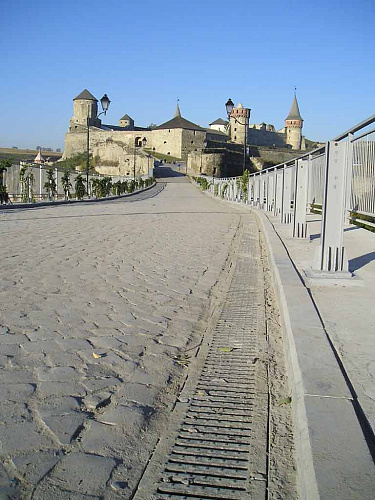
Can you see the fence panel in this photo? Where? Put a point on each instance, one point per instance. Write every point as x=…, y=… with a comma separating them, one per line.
x=363, y=176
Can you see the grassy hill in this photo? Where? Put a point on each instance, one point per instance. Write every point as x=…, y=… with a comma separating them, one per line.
x=26, y=154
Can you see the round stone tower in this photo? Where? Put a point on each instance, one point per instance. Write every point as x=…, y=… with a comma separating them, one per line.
x=293, y=126
x=85, y=105
x=239, y=122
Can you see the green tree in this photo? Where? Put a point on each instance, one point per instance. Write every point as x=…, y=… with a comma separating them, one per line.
x=27, y=185
x=245, y=185
x=50, y=184
x=4, y=165
x=79, y=187
x=67, y=185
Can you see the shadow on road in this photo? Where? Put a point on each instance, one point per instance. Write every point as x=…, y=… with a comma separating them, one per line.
x=166, y=173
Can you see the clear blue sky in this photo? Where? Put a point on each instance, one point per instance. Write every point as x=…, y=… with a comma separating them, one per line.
x=147, y=54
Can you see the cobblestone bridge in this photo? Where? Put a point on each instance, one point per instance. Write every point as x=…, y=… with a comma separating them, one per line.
x=129, y=329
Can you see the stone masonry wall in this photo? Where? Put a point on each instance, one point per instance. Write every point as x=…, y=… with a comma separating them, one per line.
x=198, y=163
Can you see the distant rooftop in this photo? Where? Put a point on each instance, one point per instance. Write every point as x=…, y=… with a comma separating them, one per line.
x=85, y=95
x=219, y=121
x=179, y=122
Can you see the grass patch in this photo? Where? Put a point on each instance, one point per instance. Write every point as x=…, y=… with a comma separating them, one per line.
x=162, y=156
x=362, y=220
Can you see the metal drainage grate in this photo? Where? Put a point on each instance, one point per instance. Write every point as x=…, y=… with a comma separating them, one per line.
x=211, y=455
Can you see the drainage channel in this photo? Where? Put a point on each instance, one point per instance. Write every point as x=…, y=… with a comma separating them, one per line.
x=218, y=447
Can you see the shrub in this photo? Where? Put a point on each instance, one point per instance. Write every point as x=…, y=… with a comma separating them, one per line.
x=79, y=187
x=67, y=185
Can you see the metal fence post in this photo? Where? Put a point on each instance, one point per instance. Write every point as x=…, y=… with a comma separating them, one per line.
x=286, y=213
x=40, y=182
x=270, y=190
x=256, y=190
x=278, y=192
x=251, y=190
x=349, y=175
x=300, y=199
x=263, y=190
x=332, y=256
x=57, y=183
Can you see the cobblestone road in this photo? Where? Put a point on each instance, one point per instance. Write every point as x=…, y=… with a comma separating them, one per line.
x=95, y=301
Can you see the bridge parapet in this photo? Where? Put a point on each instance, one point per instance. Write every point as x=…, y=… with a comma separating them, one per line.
x=337, y=179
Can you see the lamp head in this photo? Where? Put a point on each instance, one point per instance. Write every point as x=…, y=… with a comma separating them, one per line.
x=105, y=102
x=229, y=105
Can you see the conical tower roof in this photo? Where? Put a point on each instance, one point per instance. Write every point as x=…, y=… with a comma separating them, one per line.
x=177, y=113
x=294, y=113
x=85, y=95
x=39, y=158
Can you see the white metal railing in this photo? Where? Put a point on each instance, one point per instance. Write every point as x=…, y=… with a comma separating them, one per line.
x=337, y=179
x=362, y=198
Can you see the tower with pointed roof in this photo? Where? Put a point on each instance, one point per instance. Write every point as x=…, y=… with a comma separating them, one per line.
x=85, y=106
x=293, y=125
x=177, y=113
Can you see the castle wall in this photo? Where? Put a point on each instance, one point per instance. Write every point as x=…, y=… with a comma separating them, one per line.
x=220, y=128
x=166, y=141
x=198, y=163
x=192, y=140
x=114, y=148
x=261, y=137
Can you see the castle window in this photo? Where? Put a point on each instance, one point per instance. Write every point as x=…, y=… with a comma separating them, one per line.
x=153, y=149
x=165, y=142
x=168, y=153
x=235, y=129
x=169, y=131
x=235, y=137
x=195, y=132
x=192, y=142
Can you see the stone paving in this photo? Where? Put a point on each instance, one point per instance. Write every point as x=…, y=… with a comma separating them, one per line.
x=95, y=302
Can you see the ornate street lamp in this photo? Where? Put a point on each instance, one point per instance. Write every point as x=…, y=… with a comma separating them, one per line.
x=105, y=102
x=229, y=106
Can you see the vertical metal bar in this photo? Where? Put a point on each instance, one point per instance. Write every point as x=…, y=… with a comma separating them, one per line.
x=57, y=183
x=286, y=215
x=349, y=175
x=279, y=192
x=332, y=253
x=88, y=155
x=270, y=190
x=300, y=199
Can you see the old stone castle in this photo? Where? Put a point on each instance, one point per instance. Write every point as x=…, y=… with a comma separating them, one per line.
x=125, y=148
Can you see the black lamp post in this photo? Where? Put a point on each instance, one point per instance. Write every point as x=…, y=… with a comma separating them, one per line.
x=105, y=102
x=229, y=106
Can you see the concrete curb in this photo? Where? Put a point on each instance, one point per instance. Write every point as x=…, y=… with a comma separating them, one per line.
x=71, y=202
x=333, y=459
